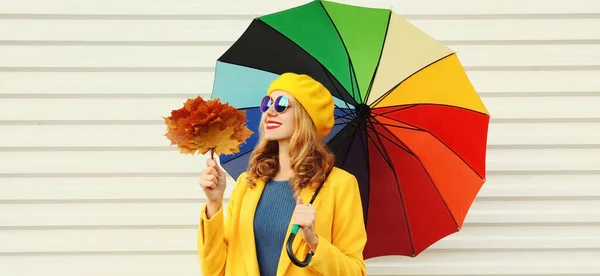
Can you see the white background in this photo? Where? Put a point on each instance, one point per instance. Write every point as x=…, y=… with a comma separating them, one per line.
x=89, y=186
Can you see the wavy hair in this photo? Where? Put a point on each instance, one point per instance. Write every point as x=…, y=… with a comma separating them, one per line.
x=310, y=158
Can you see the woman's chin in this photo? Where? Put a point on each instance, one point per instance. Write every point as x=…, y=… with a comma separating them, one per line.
x=270, y=136
x=273, y=136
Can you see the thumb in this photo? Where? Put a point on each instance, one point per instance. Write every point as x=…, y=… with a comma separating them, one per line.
x=299, y=201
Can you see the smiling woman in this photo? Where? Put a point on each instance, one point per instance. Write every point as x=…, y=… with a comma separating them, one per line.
x=286, y=167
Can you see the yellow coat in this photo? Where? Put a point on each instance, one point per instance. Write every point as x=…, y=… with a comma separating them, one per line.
x=226, y=242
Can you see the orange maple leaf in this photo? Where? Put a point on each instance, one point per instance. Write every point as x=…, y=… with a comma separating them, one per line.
x=201, y=126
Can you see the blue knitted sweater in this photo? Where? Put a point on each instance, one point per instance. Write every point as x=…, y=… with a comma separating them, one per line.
x=273, y=214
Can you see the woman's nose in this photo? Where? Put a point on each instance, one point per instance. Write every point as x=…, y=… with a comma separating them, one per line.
x=271, y=111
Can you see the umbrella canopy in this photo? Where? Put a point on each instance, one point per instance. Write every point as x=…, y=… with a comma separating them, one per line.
x=409, y=124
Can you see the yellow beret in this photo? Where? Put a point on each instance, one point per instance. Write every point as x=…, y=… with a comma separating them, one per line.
x=312, y=95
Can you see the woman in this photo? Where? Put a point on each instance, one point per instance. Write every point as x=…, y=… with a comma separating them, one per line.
x=289, y=161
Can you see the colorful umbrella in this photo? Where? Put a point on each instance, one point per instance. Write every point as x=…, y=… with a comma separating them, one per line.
x=409, y=124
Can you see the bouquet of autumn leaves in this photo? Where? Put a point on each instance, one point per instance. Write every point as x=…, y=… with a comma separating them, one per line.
x=201, y=126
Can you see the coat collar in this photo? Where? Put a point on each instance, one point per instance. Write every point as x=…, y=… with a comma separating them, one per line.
x=247, y=212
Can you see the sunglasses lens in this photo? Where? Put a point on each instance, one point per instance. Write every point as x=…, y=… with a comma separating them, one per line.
x=265, y=103
x=281, y=104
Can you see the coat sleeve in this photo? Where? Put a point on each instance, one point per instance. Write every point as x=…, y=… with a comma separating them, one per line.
x=213, y=235
x=343, y=255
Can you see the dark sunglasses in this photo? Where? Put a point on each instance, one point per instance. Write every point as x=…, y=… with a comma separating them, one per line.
x=281, y=104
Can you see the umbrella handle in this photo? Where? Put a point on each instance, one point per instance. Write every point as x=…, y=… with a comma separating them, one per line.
x=290, y=251
x=295, y=228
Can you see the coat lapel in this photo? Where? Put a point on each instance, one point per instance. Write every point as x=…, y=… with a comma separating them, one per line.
x=298, y=244
x=247, y=212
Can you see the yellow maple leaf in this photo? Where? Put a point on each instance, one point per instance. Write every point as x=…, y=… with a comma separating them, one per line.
x=218, y=140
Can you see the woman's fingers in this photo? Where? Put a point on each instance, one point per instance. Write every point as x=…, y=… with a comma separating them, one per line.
x=303, y=222
x=304, y=215
x=210, y=163
x=209, y=178
x=211, y=171
x=207, y=184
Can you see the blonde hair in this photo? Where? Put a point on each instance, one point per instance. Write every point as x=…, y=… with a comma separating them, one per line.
x=310, y=158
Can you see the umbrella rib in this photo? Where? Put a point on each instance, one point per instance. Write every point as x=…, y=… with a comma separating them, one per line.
x=346, y=114
x=380, y=99
x=350, y=65
x=430, y=178
x=342, y=117
x=438, y=191
x=380, y=149
x=366, y=156
x=331, y=80
x=246, y=108
x=402, y=127
x=396, y=143
x=377, y=135
x=350, y=142
x=398, y=108
x=427, y=104
x=416, y=128
x=329, y=77
x=341, y=123
x=353, y=76
x=343, y=111
x=327, y=72
x=343, y=120
x=387, y=28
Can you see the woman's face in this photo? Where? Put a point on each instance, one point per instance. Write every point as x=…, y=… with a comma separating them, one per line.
x=279, y=124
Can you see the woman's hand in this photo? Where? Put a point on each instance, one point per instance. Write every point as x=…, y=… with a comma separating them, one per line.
x=212, y=181
x=305, y=215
